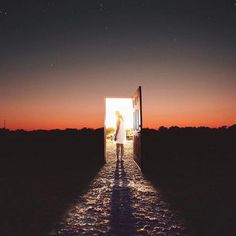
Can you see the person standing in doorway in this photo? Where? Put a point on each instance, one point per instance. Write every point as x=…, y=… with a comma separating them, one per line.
x=120, y=135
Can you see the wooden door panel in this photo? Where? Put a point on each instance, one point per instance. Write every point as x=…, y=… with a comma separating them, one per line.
x=137, y=126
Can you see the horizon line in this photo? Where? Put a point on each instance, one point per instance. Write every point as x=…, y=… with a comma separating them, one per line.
x=161, y=126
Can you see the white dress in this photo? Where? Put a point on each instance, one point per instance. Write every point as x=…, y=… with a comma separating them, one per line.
x=121, y=135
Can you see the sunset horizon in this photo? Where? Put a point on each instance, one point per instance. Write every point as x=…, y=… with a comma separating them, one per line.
x=46, y=128
x=59, y=61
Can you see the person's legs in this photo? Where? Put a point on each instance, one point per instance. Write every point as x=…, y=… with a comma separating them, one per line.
x=122, y=150
x=117, y=151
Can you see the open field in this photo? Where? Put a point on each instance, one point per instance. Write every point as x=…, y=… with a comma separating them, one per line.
x=43, y=172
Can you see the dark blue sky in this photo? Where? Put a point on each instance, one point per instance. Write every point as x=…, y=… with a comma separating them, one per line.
x=53, y=54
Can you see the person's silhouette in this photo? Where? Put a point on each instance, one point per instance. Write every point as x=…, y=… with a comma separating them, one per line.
x=120, y=135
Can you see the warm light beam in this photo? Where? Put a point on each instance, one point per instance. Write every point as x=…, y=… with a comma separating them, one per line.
x=124, y=105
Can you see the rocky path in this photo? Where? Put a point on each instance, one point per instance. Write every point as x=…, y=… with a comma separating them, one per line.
x=119, y=201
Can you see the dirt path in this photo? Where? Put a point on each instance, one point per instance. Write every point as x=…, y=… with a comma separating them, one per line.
x=119, y=201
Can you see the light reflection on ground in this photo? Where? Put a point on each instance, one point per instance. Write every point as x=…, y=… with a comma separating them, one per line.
x=119, y=201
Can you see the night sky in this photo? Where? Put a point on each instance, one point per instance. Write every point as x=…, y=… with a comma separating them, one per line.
x=59, y=59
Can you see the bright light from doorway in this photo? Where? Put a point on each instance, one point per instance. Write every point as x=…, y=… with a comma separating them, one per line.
x=124, y=105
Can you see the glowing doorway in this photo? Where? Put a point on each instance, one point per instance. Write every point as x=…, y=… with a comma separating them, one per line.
x=125, y=107
x=131, y=110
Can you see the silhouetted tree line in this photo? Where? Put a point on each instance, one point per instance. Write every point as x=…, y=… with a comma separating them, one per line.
x=69, y=143
x=189, y=142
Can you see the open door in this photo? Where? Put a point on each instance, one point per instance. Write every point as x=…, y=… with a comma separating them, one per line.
x=125, y=106
x=137, y=127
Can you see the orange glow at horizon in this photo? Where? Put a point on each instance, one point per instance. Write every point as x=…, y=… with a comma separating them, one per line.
x=170, y=98
x=56, y=124
x=69, y=118
x=157, y=114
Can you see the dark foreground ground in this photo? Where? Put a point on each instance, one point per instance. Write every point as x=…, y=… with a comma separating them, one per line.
x=195, y=168
x=41, y=172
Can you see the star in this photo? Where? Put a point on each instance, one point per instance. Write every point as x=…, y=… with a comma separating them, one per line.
x=44, y=10
x=101, y=6
x=3, y=12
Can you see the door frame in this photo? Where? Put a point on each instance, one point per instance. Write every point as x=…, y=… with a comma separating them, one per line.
x=139, y=90
x=104, y=98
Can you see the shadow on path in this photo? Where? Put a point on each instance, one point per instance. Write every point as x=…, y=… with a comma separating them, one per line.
x=119, y=201
x=122, y=221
